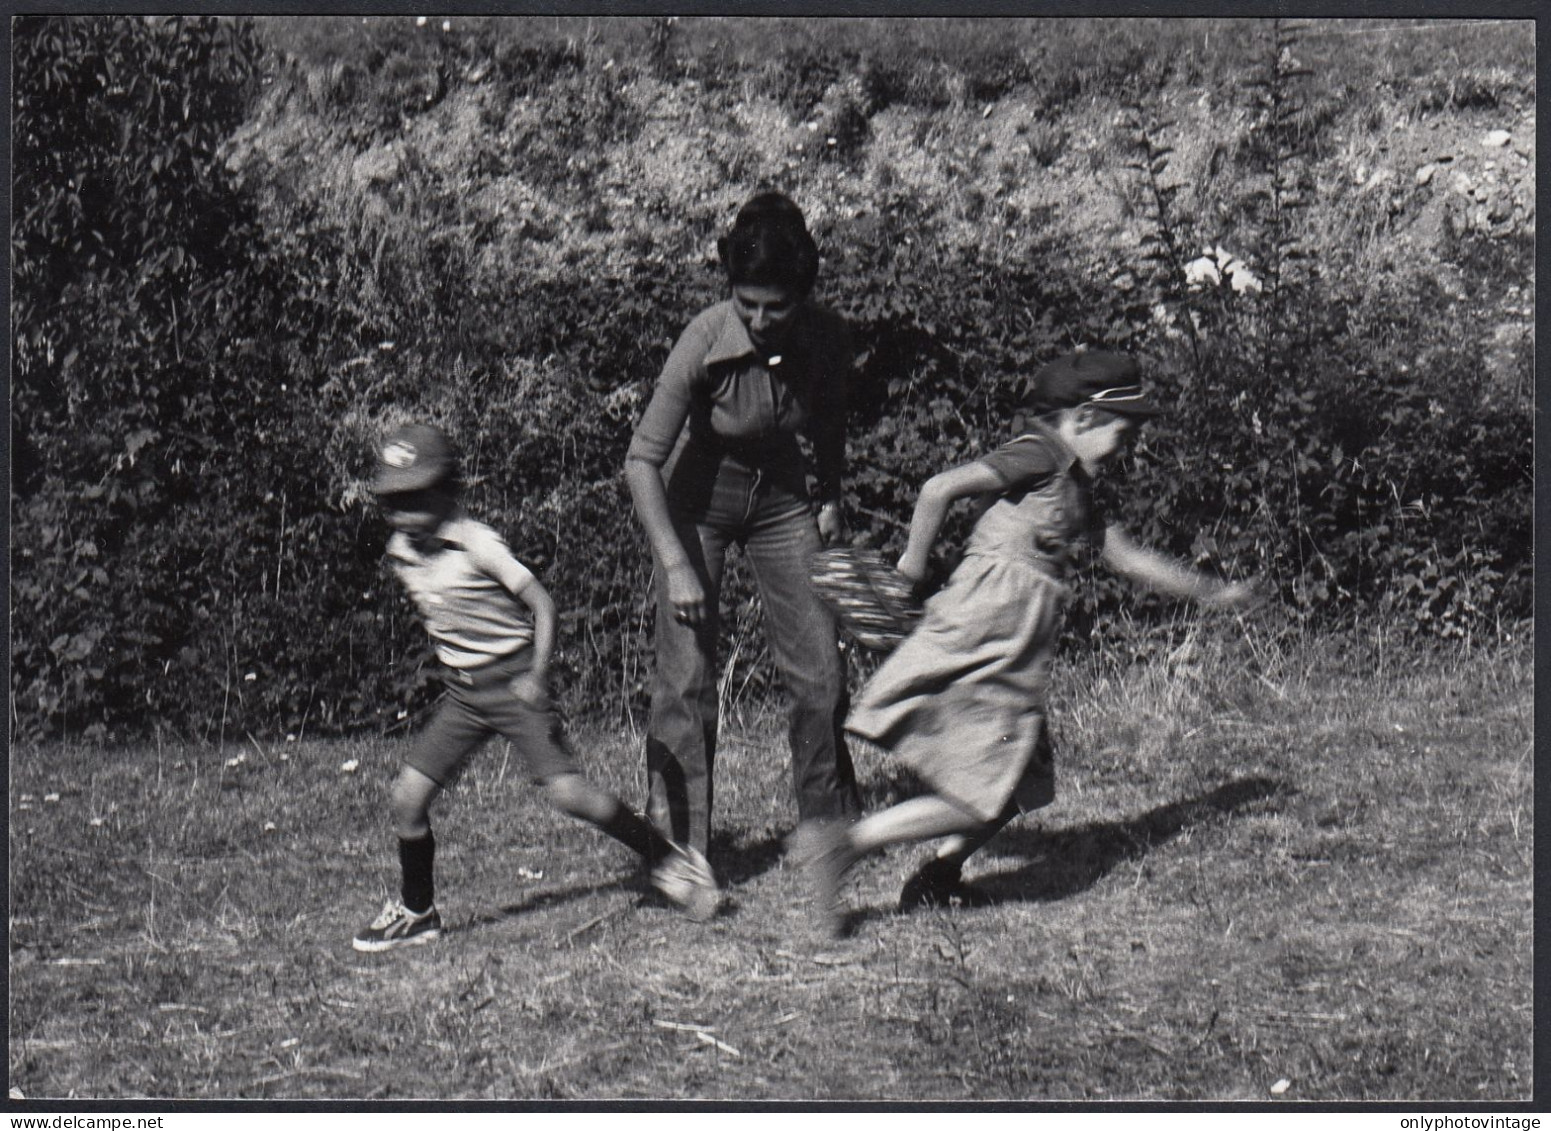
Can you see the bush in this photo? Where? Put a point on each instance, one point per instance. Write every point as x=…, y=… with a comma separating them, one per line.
x=503, y=226
x=129, y=252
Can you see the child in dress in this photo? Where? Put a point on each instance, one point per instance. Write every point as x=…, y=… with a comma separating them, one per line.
x=962, y=699
x=493, y=625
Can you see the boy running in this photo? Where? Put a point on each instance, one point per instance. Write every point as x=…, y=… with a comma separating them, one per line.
x=493, y=627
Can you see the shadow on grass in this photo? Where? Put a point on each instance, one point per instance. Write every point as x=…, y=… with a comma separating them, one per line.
x=736, y=863
x=1062, y=864
x=546, y=898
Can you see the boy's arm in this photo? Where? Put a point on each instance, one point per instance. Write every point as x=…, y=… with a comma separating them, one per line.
x=1127, y=557
x=939, y=493
x=516, y=579
x=532, y=593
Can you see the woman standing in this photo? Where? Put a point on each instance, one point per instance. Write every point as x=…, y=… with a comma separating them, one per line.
x=715, y=461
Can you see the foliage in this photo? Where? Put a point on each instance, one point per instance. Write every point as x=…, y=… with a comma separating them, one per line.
x=1294, y=449
x=225, y=289
x=129, y=276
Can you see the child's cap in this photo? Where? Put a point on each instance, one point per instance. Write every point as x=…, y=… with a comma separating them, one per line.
x=1110, y=381
x=412, y=458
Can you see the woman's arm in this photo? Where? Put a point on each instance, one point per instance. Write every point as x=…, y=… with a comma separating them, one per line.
x=650, y=447
x=685, y=593
x=1127, y=557
x=650, y=498
x=939, y=493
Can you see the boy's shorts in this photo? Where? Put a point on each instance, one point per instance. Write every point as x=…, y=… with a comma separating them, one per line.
x=480, y=703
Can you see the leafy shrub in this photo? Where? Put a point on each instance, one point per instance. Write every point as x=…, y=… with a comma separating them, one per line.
x=129, y=267
x=1301, y=415
x=209, y=340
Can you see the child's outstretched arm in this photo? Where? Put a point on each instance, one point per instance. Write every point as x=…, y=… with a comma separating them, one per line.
x=939, y=493
x=1127, y=557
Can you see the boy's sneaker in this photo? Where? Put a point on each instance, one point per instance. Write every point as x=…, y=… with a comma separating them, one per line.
x=825, y=851
x=398, y=926
x=685, y=877
x=940, y=883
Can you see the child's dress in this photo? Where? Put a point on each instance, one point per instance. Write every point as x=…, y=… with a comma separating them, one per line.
x=962, y=699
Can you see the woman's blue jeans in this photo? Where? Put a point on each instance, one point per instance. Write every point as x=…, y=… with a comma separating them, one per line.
x=774, y=524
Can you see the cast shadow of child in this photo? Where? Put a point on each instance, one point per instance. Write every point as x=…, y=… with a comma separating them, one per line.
x=546, y=898
x=1065, y=862
x=1062, y=863
x=737, y=863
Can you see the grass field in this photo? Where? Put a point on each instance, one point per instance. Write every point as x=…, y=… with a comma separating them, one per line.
x=1302, y=875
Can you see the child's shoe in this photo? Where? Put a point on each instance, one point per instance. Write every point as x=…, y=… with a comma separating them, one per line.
x=940, y=883
x=398, y=926
x=825, y=850
x=685, y=877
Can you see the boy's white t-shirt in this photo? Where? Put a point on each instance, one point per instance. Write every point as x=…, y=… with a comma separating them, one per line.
x=470, y=616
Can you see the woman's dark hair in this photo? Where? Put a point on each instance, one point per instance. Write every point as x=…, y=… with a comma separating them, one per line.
x=769, y=245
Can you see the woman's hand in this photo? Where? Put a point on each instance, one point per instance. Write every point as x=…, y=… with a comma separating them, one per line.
x=832, y=524
x=532, y=688
x=687, y=596
x=912, y=568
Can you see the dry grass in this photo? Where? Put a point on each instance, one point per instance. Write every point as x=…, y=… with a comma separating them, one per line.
x=1262, y=865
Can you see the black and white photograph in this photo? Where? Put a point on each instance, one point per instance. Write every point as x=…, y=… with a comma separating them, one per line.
x=770, y=560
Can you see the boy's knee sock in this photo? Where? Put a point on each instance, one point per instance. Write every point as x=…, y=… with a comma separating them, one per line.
x=635, y=834
x=416, y=860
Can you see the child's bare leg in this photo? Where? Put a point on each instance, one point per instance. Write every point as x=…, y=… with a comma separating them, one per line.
x=920, y=818
x=828, y=849
x=410, y=803
x=575, y=795
x=681, y=874
x=940, y=881
x=961, y=846
x=414, y=919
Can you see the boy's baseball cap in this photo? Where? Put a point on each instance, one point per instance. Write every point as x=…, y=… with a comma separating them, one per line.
x=1110, y=381
x=412, y=458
